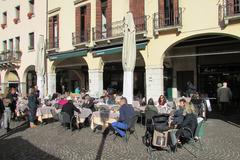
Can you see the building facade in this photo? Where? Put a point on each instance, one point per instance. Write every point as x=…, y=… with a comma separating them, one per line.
x=177, y=41
x=23, y=25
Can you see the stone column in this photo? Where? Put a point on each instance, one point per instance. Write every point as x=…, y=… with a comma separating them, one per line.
x=95, y=82
x=3, y=87
x=40, y=84
x=51, y=83
x=23, y=88
x=154, y=82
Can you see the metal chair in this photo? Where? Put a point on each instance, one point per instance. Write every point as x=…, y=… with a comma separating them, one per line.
x=65, y=118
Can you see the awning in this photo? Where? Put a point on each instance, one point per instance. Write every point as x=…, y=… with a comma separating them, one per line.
x=114, y=50
x=69, y=54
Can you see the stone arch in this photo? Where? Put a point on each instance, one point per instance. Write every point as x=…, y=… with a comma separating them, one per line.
x=179, y=39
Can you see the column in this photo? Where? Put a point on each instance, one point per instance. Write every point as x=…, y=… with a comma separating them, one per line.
x=40, y=84
x=51, y=83
x=95, y=82
x=3, y=87
x=23, y=88
x=154, y=82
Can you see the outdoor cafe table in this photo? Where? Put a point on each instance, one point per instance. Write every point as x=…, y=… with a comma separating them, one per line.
x=45, y=112
x=85, y=112
x=102, y=118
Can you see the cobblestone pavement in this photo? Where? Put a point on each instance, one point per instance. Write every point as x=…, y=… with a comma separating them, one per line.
x=50, y=142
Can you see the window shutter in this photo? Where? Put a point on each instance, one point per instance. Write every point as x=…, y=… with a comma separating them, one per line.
x=98, y=29
x=88, y=22
x=50, y=27
x=77, y=24
x=109, y=18
x=161, y=12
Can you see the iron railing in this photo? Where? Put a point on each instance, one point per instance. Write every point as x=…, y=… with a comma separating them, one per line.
x=80, y=37
x=11, y=56
x=116, y=29
x=231, y=9
x=53, y=43
x=162, y=20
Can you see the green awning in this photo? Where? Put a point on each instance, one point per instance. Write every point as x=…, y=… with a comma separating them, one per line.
x=117, y=49
x=69, y=54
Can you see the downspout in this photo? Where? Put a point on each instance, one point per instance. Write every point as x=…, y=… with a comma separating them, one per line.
x=45, y=51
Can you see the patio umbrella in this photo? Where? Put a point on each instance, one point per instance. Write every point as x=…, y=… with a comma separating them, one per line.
x=40, y=65
x=128, y=56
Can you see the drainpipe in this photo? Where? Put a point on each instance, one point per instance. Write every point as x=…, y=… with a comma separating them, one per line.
x=45, y=51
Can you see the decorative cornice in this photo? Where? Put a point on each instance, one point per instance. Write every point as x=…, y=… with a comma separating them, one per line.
x=54, y=10
x=78, y=1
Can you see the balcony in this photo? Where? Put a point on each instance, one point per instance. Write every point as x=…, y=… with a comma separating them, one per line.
x=161, y=22
x=116, y=29
x=229, y=11
x=79, y=39
x=10, y=59
x=53, y=44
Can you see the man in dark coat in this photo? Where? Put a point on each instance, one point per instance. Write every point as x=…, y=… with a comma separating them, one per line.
x=224, y=96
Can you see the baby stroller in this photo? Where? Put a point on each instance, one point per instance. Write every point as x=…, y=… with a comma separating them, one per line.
x=156, y=134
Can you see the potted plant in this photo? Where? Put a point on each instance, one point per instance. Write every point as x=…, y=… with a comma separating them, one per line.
x=3, y=25
x=30, y=14
x=16, y=20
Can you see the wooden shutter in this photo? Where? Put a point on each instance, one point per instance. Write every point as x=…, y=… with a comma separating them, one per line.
x=77, y=24
x=50, y=32
x=230, y=7
x=88, y=22
x=161, y=13
x=109, y=18
x=98, y=28
x=176, y=11
x=137, y=9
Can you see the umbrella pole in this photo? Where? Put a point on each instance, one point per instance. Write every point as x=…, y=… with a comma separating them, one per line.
x=128, y=86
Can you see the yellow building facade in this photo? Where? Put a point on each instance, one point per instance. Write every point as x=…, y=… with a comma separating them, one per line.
x=177, y=41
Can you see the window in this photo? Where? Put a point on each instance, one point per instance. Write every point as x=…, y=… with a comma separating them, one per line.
x=31, y=41
x=169, y=15
x=11, y=45
x=31, y=6
x=17, y=43
x=4, y=18
x=104, y=17
x=5, y=45
x=17, y=12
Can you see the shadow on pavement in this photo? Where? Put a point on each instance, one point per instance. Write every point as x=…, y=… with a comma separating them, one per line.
x=19, y=128
x=18, y=148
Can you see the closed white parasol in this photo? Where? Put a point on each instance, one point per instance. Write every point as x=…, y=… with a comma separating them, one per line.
x=128, y=56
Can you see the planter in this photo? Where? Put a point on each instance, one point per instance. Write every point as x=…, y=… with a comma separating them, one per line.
x=30, y=14
x=16, y=20
x=3, y=26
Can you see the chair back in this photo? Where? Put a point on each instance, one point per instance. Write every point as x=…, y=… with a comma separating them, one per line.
x=199, y=132
x=132, y=122
x=149, y=114
x=160, y=122
x=65, y=117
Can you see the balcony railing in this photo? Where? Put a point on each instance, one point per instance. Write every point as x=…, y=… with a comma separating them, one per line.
x=11, y=56
x=80, y=38
x=115, y=30
x=53, y=43
x=163, y=22
x=231, y=9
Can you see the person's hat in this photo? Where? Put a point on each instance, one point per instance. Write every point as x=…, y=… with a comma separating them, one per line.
x=69, y=98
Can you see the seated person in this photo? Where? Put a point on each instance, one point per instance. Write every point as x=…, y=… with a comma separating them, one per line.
x=163, y=108
x=190, y=122
x=178, y=114
x=69, y=108
x=126, y=114
x=150, y=106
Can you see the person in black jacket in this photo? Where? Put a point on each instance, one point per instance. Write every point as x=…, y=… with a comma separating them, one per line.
x=69, y=108
x=32, y=104
x=188, y=126
x=12, y=95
